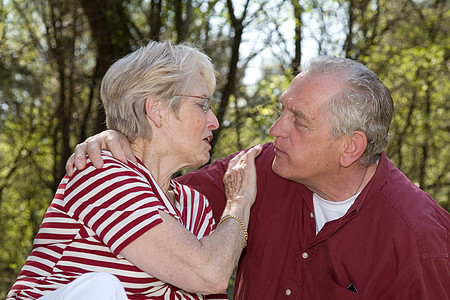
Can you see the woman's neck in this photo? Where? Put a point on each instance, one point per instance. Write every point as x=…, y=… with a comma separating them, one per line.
x=159, y=165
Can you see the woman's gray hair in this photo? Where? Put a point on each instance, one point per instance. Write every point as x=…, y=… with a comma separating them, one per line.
x=363, y=104
x=158, y=69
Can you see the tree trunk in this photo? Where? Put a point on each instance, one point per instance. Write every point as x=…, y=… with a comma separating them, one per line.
x=109, y=26
x=229, y=87
x=298, y=11
x=182, y=20
x=155, y=19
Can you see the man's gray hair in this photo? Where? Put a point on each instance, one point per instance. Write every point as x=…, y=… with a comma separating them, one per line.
x=158, y=69
x=363, y=104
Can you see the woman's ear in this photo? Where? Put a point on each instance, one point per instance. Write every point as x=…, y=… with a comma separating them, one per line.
x=354, y=147
x=153, y=110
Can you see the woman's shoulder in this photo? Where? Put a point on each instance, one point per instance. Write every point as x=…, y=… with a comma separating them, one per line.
x=112, y=165
x=113, y=173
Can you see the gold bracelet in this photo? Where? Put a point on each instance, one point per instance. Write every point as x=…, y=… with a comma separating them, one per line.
x=244, y=229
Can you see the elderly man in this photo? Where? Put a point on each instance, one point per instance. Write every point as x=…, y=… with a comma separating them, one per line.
x=333, y=218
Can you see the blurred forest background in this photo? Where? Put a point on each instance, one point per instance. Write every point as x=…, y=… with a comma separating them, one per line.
x=53, y=54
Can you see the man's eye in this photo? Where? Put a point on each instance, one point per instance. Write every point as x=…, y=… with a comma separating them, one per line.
x=299, y=123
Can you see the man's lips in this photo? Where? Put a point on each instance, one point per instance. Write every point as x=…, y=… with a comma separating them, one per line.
x=277, y=150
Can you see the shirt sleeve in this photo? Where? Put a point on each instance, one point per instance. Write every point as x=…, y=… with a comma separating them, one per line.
x=208, y=181
x=196, y=213
x=428, y=279
x=116, y=202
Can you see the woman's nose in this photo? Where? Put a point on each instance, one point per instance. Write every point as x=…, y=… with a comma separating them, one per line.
x=213, y=123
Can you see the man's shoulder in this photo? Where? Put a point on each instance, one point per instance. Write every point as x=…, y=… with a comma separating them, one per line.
x=398, y=189
x=410, y=211
x=403, y=194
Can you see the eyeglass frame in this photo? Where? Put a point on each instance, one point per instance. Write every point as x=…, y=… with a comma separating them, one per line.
x=205, y=106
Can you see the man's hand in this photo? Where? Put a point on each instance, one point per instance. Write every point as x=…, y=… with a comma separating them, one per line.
x=110, y=140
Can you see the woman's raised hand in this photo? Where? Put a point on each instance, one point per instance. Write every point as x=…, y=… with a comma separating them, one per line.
x=240, y=178
x=110, y=140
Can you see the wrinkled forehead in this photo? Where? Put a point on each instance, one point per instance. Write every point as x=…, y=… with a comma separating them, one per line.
x=308, y=87
x=308, y=96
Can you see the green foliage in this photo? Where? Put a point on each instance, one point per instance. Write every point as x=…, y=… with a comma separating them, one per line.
x=251, y=114
x=413, y=62
x=50, y=72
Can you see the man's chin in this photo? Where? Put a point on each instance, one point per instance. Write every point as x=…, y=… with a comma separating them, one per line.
x=277, y=168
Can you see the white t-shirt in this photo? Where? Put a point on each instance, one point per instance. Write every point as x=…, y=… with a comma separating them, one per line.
x=326, y=211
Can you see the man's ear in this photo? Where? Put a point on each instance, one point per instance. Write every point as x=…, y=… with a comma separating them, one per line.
x=153, y=110
x=354, y=146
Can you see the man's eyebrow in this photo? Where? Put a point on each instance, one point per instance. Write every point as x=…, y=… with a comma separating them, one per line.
x=299, y=114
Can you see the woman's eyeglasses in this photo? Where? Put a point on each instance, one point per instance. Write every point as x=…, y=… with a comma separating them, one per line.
x=205, y=105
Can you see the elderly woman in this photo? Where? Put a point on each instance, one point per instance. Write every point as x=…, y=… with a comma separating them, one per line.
x=156, y=237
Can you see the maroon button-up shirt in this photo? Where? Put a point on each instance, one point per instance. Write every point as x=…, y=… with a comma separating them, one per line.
x=393, y=243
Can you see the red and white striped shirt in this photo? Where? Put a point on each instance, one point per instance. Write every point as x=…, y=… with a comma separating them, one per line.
x=93, y=216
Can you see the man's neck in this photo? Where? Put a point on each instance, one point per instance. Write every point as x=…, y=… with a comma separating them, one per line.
x=344, y=185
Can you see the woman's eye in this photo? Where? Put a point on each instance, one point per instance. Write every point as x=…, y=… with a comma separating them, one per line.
x=205, y=106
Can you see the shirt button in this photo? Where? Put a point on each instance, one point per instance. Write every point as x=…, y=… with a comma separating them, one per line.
x=305, y=255
x=288, y=292
x=311, y=215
